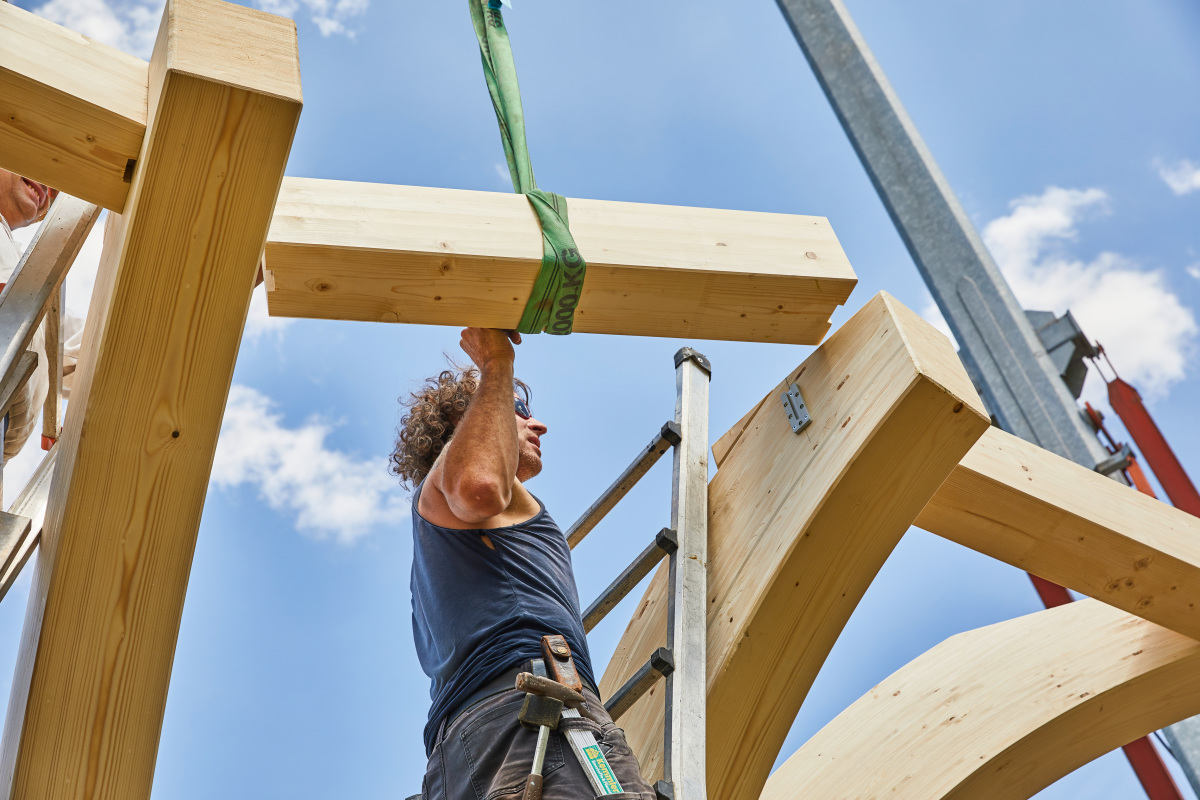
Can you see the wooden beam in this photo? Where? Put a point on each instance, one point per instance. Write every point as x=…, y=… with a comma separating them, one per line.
x=1025, y=506
x=72, y=110
x=1002, y=712
x=369, y=252
x=162, y=334
x=799, y=524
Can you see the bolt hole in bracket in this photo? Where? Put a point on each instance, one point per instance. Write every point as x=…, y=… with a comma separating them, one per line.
x=793, y=406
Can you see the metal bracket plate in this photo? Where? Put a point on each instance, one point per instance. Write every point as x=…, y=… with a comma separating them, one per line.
x=793, y=406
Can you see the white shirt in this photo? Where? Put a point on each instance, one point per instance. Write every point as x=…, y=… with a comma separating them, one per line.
x=10, y=251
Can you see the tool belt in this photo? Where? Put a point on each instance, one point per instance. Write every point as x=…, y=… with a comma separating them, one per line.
x=554, y=702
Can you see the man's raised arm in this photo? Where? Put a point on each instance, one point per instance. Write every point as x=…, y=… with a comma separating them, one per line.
x=477, y=470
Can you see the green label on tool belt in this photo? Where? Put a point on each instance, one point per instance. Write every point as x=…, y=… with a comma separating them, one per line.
x=602, y=770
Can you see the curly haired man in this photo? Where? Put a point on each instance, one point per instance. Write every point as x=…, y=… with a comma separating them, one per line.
x=491, y=575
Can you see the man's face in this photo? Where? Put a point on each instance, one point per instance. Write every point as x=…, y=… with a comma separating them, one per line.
x=529, y=446
x=22, y=201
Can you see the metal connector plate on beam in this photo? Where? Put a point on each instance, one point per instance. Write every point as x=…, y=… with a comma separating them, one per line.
x=793, y=406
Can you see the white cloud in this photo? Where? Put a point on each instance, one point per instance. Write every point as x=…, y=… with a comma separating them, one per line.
x=330, y=493
x=132, y=25
x=1183, y=177
x=259, y=323
x=129, y=25
x=503, y=174
x=1146, y=329
x=1194, y=271
x=329, y=16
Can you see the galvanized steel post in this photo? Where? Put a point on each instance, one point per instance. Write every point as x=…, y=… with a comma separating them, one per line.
x=999, y=346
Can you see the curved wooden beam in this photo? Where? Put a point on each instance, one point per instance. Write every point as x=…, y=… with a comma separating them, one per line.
x=1026, y=506
x=1001, y=712
x=799, y=524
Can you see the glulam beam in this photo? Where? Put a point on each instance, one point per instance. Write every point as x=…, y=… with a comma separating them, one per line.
x=133, y=463
x=72, y=110
x=1002, y=712
x=799, y=525
x=378, y=253
x=1028, y=507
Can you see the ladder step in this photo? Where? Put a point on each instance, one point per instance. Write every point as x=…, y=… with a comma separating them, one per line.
x=660, y=665
x=667, y=438
x=665, y=542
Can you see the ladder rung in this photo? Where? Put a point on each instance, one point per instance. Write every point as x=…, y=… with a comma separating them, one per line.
x=665, y=542
x=660, y=665
x=667, y=438
x=28, y=509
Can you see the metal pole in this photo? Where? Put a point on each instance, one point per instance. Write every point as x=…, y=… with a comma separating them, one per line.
x=999, y=347
x=1019, y=383
x=687, y=604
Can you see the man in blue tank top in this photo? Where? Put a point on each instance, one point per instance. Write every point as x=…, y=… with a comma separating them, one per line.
x=491, y=575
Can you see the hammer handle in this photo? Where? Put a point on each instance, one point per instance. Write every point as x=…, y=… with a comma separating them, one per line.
x=533, y=788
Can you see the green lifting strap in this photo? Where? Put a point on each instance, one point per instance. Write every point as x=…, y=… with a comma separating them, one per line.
x=551, y=305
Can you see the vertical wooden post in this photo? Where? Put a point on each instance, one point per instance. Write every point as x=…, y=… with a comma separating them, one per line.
x=162, y=335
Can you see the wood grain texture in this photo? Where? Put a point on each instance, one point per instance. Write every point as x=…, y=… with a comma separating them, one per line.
x=162, y=335
x=1023, y=505
x=72, y=110
x=799, y=524
x=1002, y=712
x=355, y=251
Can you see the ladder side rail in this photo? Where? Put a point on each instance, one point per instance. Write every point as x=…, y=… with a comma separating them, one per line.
x=666, y=438
x=40, y=271
x=52, y=409
x=16, y=376
x=684, y=765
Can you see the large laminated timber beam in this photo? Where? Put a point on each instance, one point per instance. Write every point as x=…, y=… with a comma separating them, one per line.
x=1049, y=516
x=376, y=253
x=133, y=464
x=799, y=524
x=72, y=110
x=1002, y=712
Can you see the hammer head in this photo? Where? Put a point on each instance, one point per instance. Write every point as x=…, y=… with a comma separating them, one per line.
x=538, y=711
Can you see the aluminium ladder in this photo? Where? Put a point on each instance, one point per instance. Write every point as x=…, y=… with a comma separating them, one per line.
x=683, y=661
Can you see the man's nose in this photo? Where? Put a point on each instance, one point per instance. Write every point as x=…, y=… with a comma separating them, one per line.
x=538, y=427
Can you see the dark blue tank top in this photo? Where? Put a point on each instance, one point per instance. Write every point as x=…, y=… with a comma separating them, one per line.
x=478, y=612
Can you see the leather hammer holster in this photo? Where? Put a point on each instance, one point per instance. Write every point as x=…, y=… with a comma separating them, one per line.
x=559, y=664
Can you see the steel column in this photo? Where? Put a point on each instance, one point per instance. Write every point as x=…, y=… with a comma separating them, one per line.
x=998, y=345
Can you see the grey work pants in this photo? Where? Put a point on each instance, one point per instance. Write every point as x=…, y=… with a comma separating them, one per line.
x=486, y=754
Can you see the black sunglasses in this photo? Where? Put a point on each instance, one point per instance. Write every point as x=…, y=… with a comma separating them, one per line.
x=522, y=409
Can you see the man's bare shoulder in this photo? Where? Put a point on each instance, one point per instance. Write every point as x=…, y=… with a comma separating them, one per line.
x=435, y=509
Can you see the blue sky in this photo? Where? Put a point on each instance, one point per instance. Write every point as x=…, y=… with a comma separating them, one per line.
x=1067, y=128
